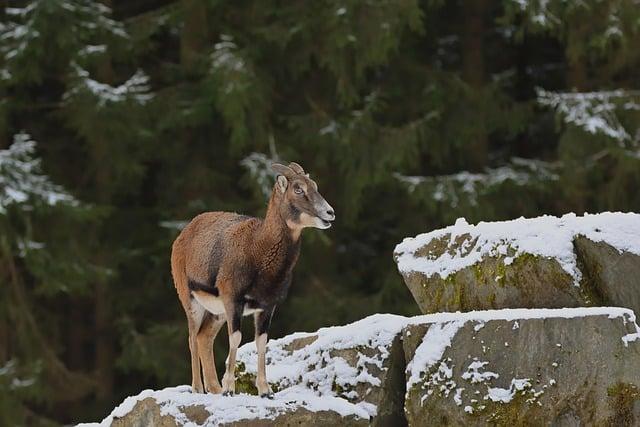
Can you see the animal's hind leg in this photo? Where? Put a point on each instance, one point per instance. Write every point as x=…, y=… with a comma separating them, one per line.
x=233, y=312
x=195, y=321
x=210, y=327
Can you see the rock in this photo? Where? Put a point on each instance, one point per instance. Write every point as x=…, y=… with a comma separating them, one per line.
x=177, y=406
x=613, y=276
x=509, y=367
x=362, y=363
x=525, y=263
x=147, y=412
x=562, y=367
x=526, y=282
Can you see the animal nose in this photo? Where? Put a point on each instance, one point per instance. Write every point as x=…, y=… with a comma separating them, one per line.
x=331, y=213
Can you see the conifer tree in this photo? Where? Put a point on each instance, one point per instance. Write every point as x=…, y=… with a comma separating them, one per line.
x=408, y=115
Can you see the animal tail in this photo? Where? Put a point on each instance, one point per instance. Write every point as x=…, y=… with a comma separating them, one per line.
x=178, y=266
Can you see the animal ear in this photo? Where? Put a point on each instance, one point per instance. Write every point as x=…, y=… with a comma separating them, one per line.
x=296, y=168
x=282, y=170
x=282, y=183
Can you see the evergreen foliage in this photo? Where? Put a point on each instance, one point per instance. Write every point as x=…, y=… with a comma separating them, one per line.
x=147, y=112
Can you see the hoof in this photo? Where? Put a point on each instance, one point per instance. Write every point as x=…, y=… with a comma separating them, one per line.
x=228, y=393
x=267, y=396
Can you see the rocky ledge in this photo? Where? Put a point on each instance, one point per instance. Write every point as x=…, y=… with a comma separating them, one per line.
x=578, y=366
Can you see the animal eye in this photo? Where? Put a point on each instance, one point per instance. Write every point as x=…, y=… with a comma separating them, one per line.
x=297, y=190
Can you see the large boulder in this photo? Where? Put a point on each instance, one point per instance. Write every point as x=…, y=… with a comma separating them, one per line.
x=566, y=367
x=177, y=406
x=525, y=263
x=362, y=363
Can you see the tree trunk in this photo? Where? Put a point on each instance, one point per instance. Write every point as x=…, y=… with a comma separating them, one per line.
x=473, y=72
x=103, y=319
x=76, y=357
x=193, y=42
x=576, y=74
x=194, y=32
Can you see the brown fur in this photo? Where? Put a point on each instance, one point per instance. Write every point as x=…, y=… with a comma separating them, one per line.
x=242, y=263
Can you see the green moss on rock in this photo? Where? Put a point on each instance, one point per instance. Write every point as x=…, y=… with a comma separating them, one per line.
x=510, y=413
x=245, y=382
x=623, y=397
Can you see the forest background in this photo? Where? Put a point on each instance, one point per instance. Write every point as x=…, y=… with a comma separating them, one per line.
x=120, y=120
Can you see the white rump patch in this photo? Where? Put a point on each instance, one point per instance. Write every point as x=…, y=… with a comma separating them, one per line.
x=214, y=304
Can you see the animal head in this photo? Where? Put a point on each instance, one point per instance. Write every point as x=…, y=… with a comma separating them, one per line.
x=301, y=203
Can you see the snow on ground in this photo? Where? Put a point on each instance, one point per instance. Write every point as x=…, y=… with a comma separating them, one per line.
x=306, y=376
x=545, y=236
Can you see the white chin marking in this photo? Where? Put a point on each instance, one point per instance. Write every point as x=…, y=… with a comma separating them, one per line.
x=322, y=225
x=307, y=220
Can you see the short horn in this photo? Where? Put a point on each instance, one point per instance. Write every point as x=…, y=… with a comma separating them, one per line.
x=282, y=170
x=297, y=168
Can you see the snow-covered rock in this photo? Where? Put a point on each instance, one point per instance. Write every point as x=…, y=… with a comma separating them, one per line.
x=453, y=368
x=578, y=366
x=177, y=406
x=344, y=375
x=362, y=362
x=526, y=263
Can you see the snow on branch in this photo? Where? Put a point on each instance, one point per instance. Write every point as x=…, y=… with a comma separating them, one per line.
x=259, y=167
x=91, y=15
x=135, y=89
x=27, y=32
x=594, y=112
x=450, y=188
x=538, y=11
x=225, y=58
x=240, y=94
x=21, y=178
x=609, y=20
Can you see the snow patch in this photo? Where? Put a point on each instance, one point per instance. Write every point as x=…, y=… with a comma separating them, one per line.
x=474, y=374
x=504, y=395
x=435, y=342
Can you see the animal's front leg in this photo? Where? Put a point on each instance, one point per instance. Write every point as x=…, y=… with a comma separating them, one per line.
x=262, y=322
x=233, y=310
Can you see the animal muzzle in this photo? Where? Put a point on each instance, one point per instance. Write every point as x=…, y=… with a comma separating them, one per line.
x=325, y=214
